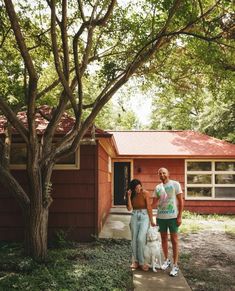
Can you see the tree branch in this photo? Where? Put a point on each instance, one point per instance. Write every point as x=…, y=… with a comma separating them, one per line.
x=10, y=183
x=15, y=122
x=64, y=36
x=57, y=61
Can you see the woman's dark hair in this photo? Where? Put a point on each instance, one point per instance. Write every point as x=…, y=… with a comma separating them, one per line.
x=132, y=185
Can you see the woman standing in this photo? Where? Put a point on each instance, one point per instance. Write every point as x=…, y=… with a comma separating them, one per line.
x=138, y=200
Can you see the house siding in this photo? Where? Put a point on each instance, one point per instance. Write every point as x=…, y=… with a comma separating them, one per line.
x=73, y=209
x=146, y=171
x=104, y=187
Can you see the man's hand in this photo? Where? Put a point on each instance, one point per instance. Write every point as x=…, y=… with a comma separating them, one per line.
x=179, y=220
x=153, y=223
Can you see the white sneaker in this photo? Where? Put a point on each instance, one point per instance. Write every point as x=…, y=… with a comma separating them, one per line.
x=175, y=271
x=166, y=264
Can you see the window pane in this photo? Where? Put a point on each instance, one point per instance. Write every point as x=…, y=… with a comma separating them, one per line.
x=225, y=166
x=18, y=154
x=222, y=192
x=69, y=160
x=199, y=192
x=199, y=166
x=199, y=179
x=225, y=179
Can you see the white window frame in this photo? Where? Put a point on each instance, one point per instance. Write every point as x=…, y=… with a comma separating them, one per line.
x=213, y=172
x=75, y=166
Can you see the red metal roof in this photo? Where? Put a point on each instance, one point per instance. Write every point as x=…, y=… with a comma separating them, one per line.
x=42, y=117
x=172, y=143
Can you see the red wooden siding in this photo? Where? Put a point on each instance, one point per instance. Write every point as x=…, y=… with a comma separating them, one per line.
x=74, y=192
x=73, y=209
x=146, y=171
x=104, y=187
x=210, y=207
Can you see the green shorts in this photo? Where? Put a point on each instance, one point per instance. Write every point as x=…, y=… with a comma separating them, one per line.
x=164, y=224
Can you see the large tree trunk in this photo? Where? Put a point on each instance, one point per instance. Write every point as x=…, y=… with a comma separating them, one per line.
x=36, y=220
x=36, y=227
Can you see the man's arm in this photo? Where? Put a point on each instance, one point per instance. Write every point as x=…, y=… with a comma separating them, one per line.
x=180, y=208
x=154, y=202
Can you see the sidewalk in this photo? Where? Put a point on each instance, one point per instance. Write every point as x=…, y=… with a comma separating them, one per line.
x=117, y=226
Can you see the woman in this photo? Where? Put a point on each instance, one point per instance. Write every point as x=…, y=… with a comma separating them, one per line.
x=138, y=200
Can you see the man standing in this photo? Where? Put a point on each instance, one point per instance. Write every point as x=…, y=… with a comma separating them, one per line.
x=168, y=198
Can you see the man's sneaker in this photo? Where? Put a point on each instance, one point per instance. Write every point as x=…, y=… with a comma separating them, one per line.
x=166, y=264
x=175, y=271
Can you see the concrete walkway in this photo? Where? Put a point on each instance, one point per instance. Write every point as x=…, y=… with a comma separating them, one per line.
x=117, y=226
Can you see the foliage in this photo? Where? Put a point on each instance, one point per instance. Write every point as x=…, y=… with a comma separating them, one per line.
x=75, y=55
x=196, y=89
x=102, y=265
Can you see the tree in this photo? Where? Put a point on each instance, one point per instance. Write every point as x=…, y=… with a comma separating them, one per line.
x=78, y=42
x=196, y=87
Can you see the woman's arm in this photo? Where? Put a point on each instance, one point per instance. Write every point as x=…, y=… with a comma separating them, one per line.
x=129, y=204
x=149, y=207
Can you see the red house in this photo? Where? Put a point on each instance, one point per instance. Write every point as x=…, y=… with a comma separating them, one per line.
x=204, y=166
x=89, y=183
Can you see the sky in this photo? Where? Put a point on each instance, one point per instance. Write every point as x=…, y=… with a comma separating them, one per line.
x=142, y=107
x=134, y=99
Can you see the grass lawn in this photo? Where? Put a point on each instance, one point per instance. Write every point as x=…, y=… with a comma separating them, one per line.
x=101, y=265
x=104, y=263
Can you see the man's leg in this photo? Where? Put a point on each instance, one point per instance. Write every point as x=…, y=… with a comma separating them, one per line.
x=164, y=237
x=174, y=240
x=175, y=247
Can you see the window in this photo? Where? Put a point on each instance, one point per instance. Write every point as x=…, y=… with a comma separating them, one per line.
x=18, y=158
x=210, y=179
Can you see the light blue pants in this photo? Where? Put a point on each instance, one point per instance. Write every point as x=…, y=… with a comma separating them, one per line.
x=139, y=225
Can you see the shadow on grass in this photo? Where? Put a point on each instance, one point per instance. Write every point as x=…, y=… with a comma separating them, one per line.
x=100, y=265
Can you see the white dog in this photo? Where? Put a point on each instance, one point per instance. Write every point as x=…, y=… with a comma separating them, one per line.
x=152, y=249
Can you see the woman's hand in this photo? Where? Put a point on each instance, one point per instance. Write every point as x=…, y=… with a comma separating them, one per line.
x=129, y=193
x=129, y=204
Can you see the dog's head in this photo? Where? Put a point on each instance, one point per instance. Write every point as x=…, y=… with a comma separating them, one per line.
x=153, y=234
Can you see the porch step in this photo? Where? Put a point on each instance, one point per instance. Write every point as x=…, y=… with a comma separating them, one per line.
x=119, y=210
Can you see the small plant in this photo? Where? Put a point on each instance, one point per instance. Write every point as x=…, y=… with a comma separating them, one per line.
x=190, y=215
x=60, y=239
x=230, y=230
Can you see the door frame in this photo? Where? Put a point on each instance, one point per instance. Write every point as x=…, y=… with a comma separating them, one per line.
x=131, y=174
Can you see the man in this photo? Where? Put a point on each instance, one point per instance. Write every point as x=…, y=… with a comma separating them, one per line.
x=168, y=197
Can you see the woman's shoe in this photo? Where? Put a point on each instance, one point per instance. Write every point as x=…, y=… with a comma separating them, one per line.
x=135, y=265
x=144, y=267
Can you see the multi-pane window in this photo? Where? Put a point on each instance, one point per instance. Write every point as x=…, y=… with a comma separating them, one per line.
x=210, y=179
x=18, y=158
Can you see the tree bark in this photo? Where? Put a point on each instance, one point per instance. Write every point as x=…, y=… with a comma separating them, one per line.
x=36, y=224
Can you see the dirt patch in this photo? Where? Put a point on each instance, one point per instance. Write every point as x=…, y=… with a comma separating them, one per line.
x=207, y=258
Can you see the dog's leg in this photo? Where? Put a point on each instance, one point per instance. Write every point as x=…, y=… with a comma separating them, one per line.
x=154, y=264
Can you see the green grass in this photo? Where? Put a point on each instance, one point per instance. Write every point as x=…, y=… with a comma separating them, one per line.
x=194, y=222
x=230, y=230
x=209, y=217
x=101, y=265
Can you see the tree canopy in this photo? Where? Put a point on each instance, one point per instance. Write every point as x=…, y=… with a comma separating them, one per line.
x=75, y=55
